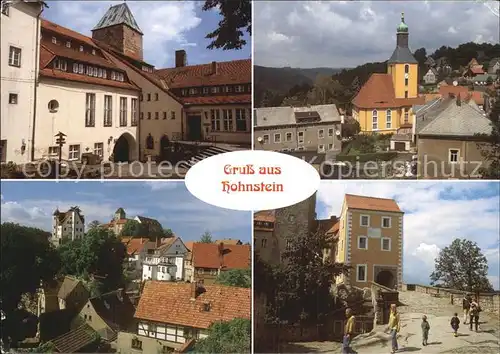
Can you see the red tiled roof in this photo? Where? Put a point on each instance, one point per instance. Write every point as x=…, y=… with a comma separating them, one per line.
x=228, y=72
x=477, y=96
x=63, y=75
x=65, y=52
x=168, y=302
x=378, y=92
x=50, y=50
x=208, y=100
x=371, y=203
x=134, y=245
x=229, y=241
x=334, y=228
x=206, y=255
x=51, y=26
x=264, y=215
x=445, y=91
x=477, y=69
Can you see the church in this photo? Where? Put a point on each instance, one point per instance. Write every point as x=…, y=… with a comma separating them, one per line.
x=384, y=103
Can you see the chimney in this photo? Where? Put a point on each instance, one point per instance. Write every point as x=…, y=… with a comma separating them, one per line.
x=459, y=100
x=214, y=68
x=194, y=285
x=180, y=58
x=221, y=254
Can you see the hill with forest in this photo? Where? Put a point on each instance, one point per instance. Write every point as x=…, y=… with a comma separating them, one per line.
x=295, y=86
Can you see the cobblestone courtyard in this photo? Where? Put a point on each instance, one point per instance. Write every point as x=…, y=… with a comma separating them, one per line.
x=441, y=340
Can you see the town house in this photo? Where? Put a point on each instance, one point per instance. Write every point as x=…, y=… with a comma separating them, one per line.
x=137, y=251
x=312, y=128
x=166, y=262
x=383, y=104
x=67, y=226
x=450, y=136
x=85, y=96
x=265, y=242
x=369, y=237
x=208, y=260
x=67, y=293
x=172, y=316
x=20, y=22
x=107, y=314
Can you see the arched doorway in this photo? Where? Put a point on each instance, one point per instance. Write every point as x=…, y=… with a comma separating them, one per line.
x=385, y=278
x=122, y=150
x=165, y=147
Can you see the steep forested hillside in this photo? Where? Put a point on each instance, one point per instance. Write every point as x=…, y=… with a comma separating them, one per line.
x=285, y=86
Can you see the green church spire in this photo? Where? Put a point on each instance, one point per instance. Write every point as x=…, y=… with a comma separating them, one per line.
x=402, y=28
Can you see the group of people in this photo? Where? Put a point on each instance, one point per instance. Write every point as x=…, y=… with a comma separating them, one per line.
x=471, y=310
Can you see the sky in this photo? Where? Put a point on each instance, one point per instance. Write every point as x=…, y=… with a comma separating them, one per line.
x=33, y=203
x=336, y=34
x=436, y=213
x=167, y=26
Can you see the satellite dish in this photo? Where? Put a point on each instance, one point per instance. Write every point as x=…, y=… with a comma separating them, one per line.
x=337, y=132
x=455, y=83
x=259, y=139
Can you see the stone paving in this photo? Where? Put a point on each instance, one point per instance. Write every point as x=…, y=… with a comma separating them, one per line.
x=441, y=340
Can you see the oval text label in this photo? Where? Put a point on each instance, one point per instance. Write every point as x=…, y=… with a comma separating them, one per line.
x=252, y=180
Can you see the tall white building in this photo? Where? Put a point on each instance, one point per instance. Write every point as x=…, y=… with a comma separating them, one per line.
x=20, y=32
x=167, y=262
x=67, y=226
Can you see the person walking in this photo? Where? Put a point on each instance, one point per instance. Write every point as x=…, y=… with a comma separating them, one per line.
x=394, y=327
x=425, y=330
x=455, y=322
x=348, y=331
x=466, y=306
x=474, y=315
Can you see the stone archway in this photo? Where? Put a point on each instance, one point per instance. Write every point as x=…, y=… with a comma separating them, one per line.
x=124, y=148
x=386, y=278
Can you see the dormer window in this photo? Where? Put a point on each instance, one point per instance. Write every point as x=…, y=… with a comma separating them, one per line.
x=81, y=48
x=54, y=40
x=68, y=44
x=60, y=64
x=93, y=51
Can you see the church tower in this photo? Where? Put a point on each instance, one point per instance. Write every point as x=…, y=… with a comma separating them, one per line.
x=118, y=29
x=403, y=66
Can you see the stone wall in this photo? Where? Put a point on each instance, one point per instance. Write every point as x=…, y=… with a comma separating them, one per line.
x=489, y=302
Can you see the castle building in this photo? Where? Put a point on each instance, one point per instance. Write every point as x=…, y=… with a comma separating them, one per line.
x=384, y=103
x=67, y=226
x=102, y=94
x=369, y=237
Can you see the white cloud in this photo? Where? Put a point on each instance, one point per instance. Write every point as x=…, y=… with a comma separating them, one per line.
x=336, y=34
x=164, y=23
x=164, y=185
x=431, y=221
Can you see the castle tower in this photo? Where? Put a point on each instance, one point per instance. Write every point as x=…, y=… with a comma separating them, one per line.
x=118, y=29
x=119, y=214
x=403, y=66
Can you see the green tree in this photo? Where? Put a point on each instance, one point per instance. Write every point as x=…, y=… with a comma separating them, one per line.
x=94, y=224
x=99, y=255
x=301, y=285
x=241, y=278
x=490, y=148
x=236, y=17
x=168, y=233
x=351, y=128
x=227, y=337
x=206, y=237
x=462, y=266
x=27, y=257
x=134, y=228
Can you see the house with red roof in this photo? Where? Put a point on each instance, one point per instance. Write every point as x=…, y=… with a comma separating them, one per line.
x=85, y=96
x=171, y=317
x=208, y=260
x=107, y=99
x=166, y=262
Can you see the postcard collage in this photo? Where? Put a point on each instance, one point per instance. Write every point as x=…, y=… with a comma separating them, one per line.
x=250, y=176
